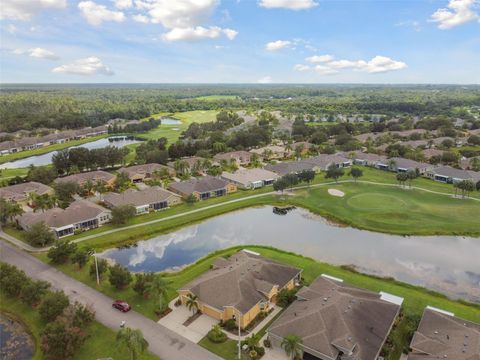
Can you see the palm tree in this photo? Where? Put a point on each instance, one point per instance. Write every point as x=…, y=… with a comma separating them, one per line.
x=181, y=166
x=392, y=164
x=14, y=209
x=192, y=303
x=252, y=341
x=100, y=187
x=292, y=346
x=133, y=340
x=159, y=288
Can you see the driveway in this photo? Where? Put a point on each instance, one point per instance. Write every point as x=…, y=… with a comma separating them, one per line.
x=164, y=343
x=193, y=332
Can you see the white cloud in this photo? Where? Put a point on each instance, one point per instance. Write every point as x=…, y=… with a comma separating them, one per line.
x=277, y=45
x=141, y=18
x=25, y=9
x=288, y=4
x=198, y=33
x=38, y=53
x=329, y=66
x=301, y=67
x=415, y=25
x=123, y=4
x=88, y=66
x=319, y=58
x=458, y=12
x=96, y=14
x=265, y=80
x=11, y=29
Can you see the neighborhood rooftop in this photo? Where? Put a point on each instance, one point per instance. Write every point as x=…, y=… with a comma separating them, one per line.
x=200, y=185
x=138, y=197
x=19, y=192
x=93, y=176
x=241, y=281
x=334, y=318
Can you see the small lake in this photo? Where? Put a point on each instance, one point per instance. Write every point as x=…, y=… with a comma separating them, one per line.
x=46, y=159
x=449, y=264
x=168, y=120
x=15, y=342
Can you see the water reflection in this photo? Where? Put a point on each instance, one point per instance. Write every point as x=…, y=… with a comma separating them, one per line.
x=46, y=159
x=445, y=263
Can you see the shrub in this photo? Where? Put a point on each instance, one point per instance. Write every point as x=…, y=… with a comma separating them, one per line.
x=39, y=234
x=62, y=251
x=119, y=276
x=230, y=325
x=216, y=335
x=53, y=305
x=267, y=343
x=260, y=351
x=253, y=354
x=286, y=297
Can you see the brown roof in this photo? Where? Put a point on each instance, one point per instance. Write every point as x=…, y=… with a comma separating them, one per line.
x=82, y=178
x=242, y=156
x=443, y=336
x=133, y=197
x=144, y=169
x=332, y=317
x=20, y=192
x=240, y=281
x=78, y=211
x=201, y=185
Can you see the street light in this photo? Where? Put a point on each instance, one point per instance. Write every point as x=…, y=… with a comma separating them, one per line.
x=96, y=267
x=239, y=342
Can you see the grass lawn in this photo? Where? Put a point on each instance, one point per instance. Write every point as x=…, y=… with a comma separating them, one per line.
x=100, y=342
x=416, y=298
x=46, y=149
x=172, y=132
x=7, y=174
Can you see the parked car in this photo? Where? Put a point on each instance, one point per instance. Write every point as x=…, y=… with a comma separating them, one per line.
x=121, y=305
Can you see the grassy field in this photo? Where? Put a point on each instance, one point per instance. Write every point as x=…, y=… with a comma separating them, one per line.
x=416, y=298
x=217, y=97
x=46, y=149
x=100, y=342
x=7, y=174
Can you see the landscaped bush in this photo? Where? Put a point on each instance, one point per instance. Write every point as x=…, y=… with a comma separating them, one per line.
x=267, y=343
x=230, y=324
x=216, y=335
x=260, y=351
x=286, y=297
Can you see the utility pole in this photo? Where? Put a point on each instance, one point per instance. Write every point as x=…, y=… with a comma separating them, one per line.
x=239, y=341
x=96, y=268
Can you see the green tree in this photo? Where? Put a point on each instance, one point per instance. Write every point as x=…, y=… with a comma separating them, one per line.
x=192, y=303
x=356, y=173
x=142, y=283
x=10, y=278
x=280, y=185
x=61, y=251
x=39, y=234
x=42, y=174
x=334, y=172
x=122, y=182
x=121, y=214
x=33, y=291
x=292, y=344
x=133, y=340
x=81, y=257
x=402, y=178
x=53, y=305
x=102, y=268
x=119, y=276
x=159, y=288
x=8, y=210
x=191, y=199
x=64, y=190
x=60, y=342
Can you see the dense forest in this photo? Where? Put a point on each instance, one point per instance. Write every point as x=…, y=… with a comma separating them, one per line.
x=74, y=106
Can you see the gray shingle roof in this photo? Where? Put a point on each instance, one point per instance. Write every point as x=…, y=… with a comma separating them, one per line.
x=451, y=172
x=289, y=167
x=330, y=316
x=201, y=185
x=82, y=178
x=441, y=336
x=19, y=192
x=240, y=281
x=144, y=169
x=133, y=197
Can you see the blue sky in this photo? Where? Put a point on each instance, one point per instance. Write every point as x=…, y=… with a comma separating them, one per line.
x=244, y=41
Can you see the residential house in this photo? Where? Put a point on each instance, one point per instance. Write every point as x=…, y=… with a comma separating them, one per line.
x=399, y=165
x=241, y=158
x=193, y=162
x=367, y=159
x=337, y=321
x=448, y=174
x=289, y=167
x=19, y=193
x=430, y=153
x=270, y=152
x=139, y=173
x=324, y=161
x=203, y=188
x=441, y=335
x=81, y=215
x=240, y=287
x=250, y=178
x=151, y=199
x=369, y=136
x=302, y=146
x=92, y=176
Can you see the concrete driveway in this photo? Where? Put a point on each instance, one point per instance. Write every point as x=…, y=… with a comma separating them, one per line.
x=193, y=332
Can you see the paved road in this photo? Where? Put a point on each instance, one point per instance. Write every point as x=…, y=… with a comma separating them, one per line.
x=163, y=342
x=27, y=247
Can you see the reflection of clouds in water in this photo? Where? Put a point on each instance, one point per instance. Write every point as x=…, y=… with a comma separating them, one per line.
x=417, y=267
x=474, y=278
x=158, y=247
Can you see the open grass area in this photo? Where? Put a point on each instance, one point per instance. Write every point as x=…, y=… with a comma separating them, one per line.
x=7, y=174
x=100, y=342
x=416, y=298
x=172, y=132
x=46, y=149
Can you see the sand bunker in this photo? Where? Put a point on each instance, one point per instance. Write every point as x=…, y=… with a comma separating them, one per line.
x=335, y=192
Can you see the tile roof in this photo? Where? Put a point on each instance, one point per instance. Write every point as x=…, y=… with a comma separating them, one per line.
x=144, y=169
x=134, y=197
x=240, y=155
x=203, y=184
x=249, y=175
x=19, y=192
x=451, y=172
x=82, y=178
x=332, y=317
x=442, y=336
x=289, y=167
x=240, y=281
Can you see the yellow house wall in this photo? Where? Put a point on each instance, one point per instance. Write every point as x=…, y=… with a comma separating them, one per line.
x=231, y=187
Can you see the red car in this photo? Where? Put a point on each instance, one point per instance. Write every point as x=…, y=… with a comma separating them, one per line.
x=121, y=305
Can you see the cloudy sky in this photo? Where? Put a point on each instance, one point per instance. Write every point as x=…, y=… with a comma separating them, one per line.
x=240, y=41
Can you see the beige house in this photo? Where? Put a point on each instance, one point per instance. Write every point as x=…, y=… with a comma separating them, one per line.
x=250, y=178
x=139, y=173
x=270, y=152
x=19, y=193
x=241, y=158
x=441, y=335
x=81, y=215
x=203, y=188
x=151, y=199
x=92, y=176
x=240, y=287
x=337, y=321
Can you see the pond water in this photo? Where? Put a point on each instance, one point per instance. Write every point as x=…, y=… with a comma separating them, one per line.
x=46, y=159
x=15, y=342
x=168, y=120
x=449, y=264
